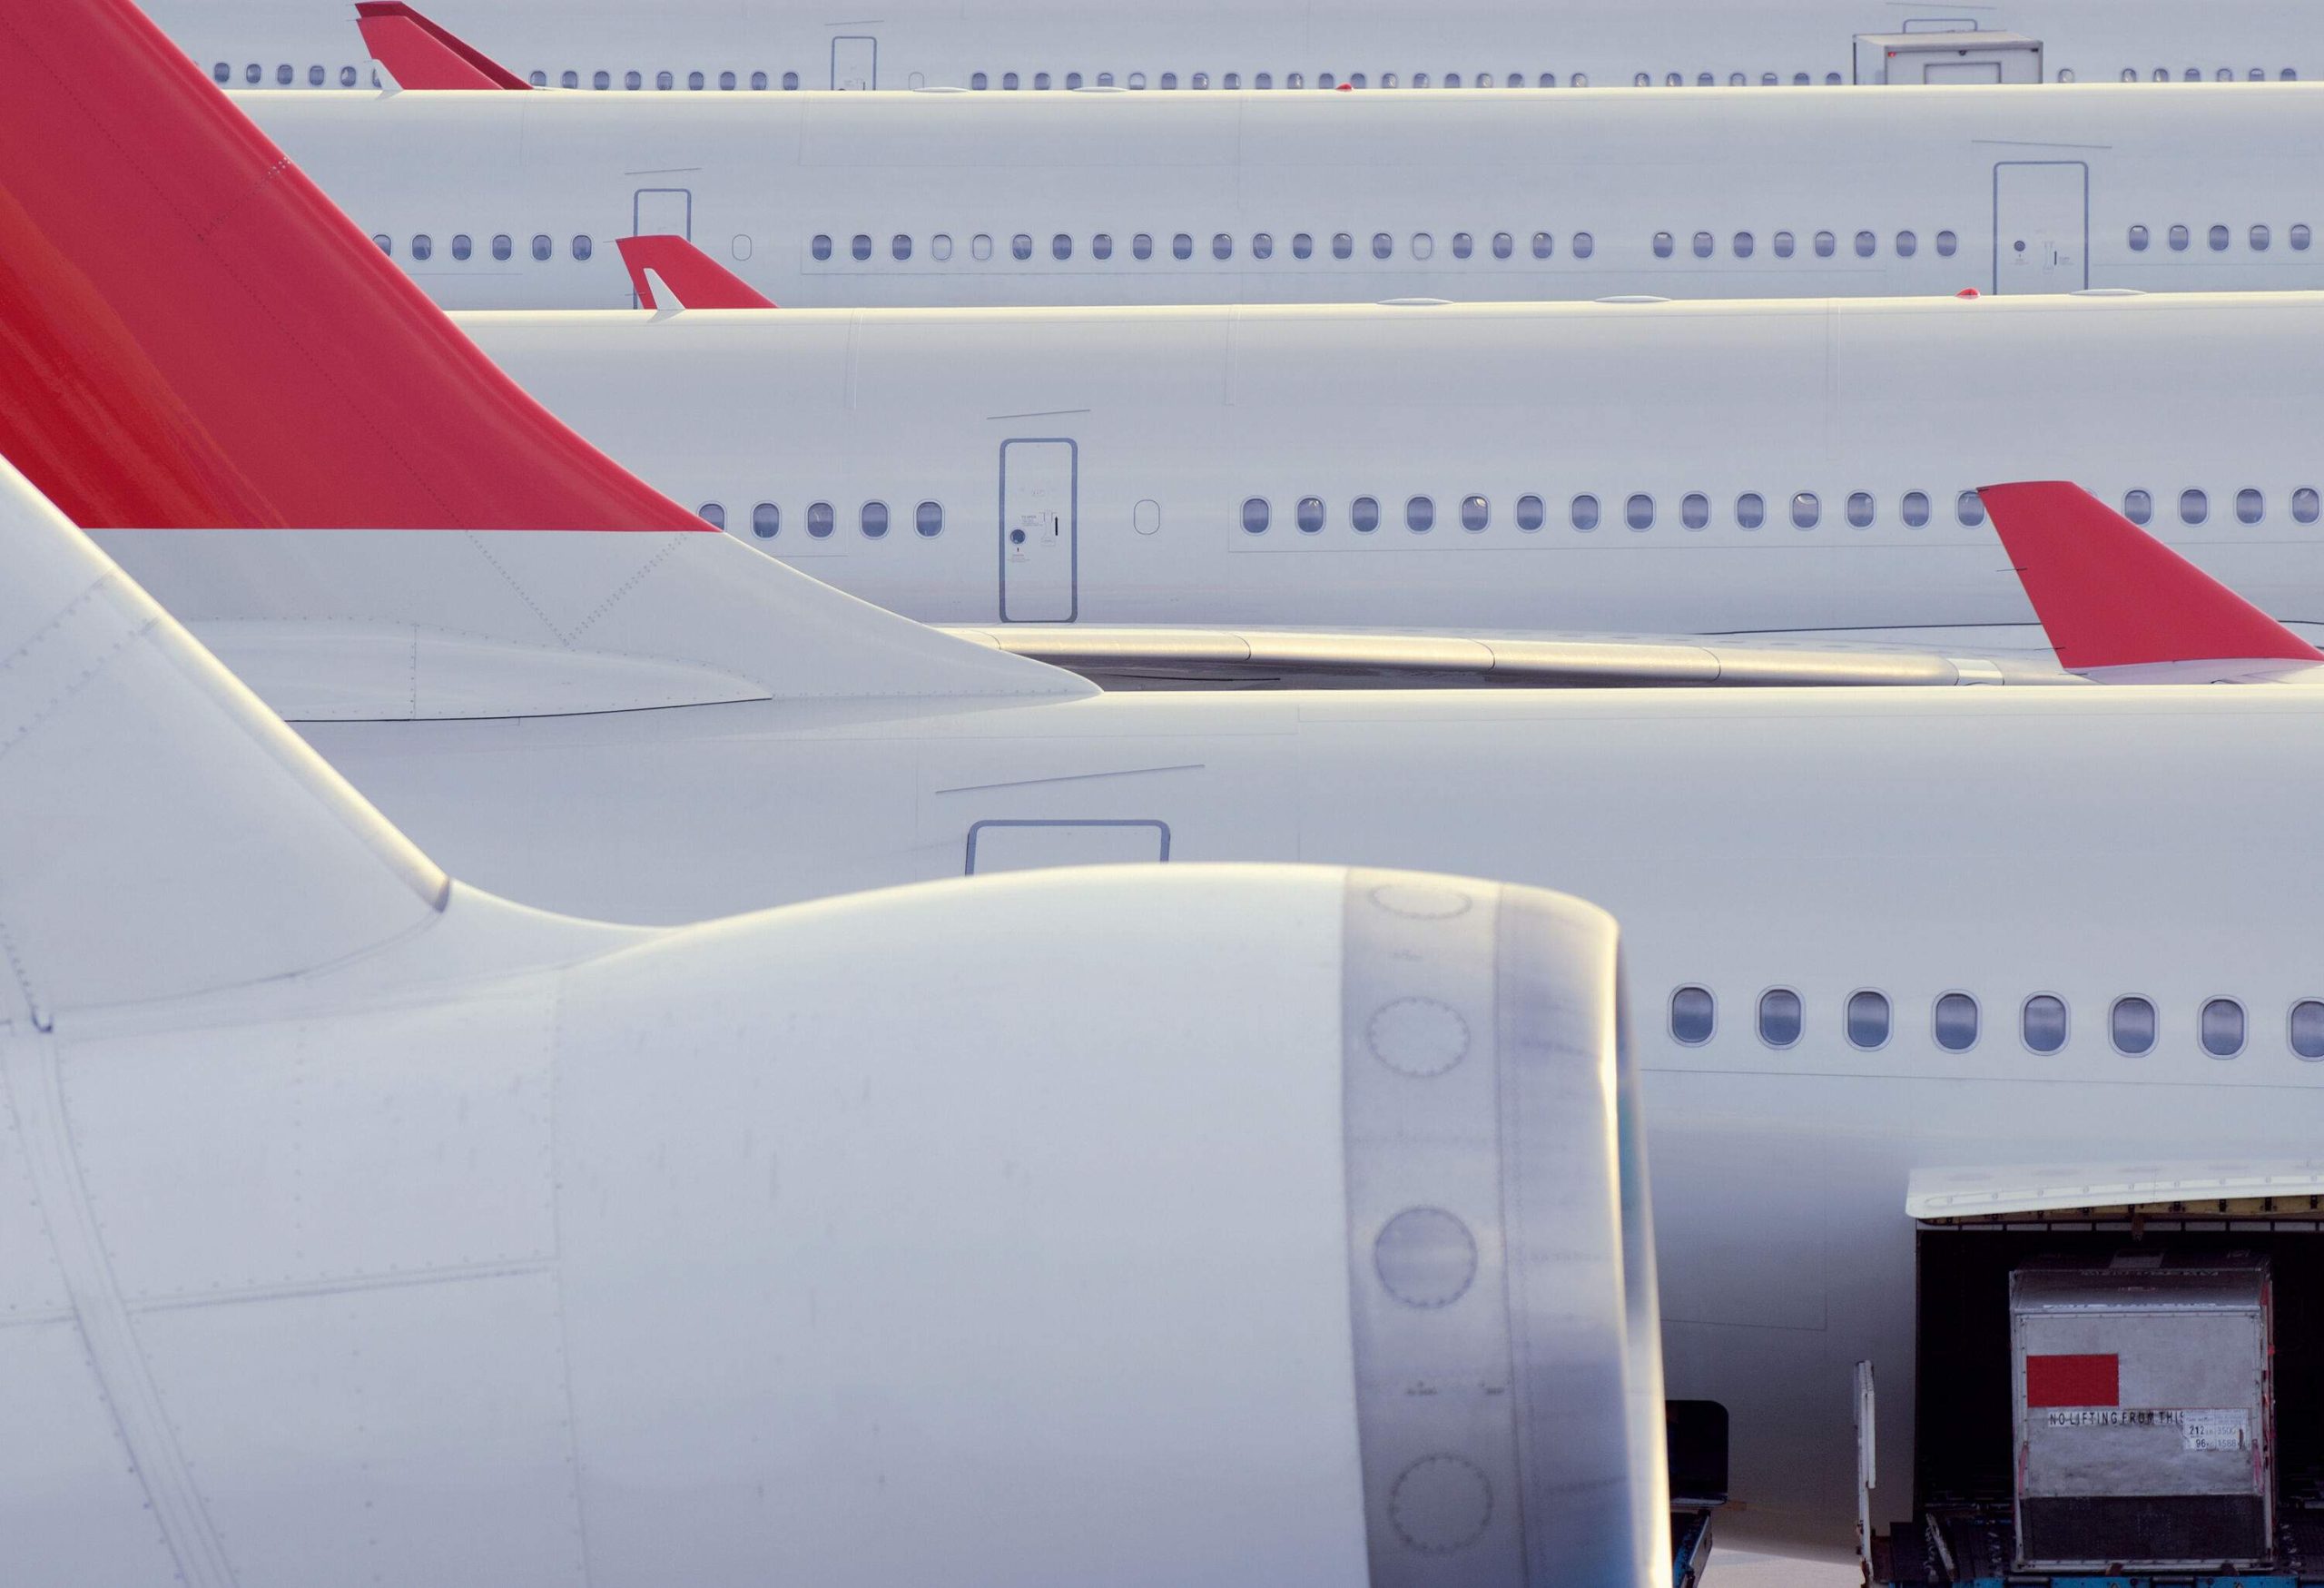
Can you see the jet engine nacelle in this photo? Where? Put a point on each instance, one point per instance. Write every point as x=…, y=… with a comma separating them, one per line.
x=1168, y=1225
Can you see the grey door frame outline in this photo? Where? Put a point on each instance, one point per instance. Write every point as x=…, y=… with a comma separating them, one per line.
x=1073, y=551
x=637, y=199
x=848, y=38
x=1998, y=165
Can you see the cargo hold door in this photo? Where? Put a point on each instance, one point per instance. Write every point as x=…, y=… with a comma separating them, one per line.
x=1037, y=533
x=2041, y=226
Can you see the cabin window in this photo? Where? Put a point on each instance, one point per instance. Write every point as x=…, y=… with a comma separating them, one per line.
x=1663, y=244
x=2138, y=240
x=1544, y=245
x=2194, y=507
x=1137, y=80
x=820, y=246
x=1751, y=511
x=1073, y=79
x=2304, y=505
x=1531, y=514
x=820, y=521
x=1584, y=245
x=2260, y=238
x=1908, y=245
x=1423, y=245
x=1806, y=510
x=1101, y=246
x=2222, y=1028
x=1343, y=245
x=2217, y=237
x=1825, y=243
x=542, y=247
x=1182, y=246
x=1868, y=1020
x=1464, y=245
x=462, y=246
x=423, y=245
x=2250, y=505
x=1009, y=81
x=1703, y=244
x=900, y=247
x=1021, y=245
x=502, y=247
x=1783, y=244
x=693, y=81
x=1168, y=80
x=1263, y=80
x=1041, y=80
x=1954, y=1022
x=582, y=247
x=1419, y=515
x=1694, y=509
x=1311, y=514
x=1693, y=1013
x=1382, y=245
x=1865, y=243
x=978, y=79
x=713, y=513
x=386, y=243
x=2138, y=506
x=1503, y=245
x=1585, y=512
x=2307, y=1029
x=2131, y=1025
x=873, y=520
x=1970, y=508
x=980, y=246
x=1141, y=246
x=766, y=521
x=223, y=72
x=1303, y=246
x=601, y=80
x=1779, y=1017
x=1947, y=243
x=1222, y=246
x=1860, y=508
x=1475, y=512
x=315, y=77
x=2179, y=237
x=347, y=78
x=726, y=80
x=929, y=519
x=1915, y=508
x=2300, y=236
x=2043, y=1023
x=1743, y=245
x=860, y=245
x=665, y=81
x=1638, y=511
x=633, y=80
x=1364, y=513
x=1262, y=245
x=1255, y=515
x=1062, y=247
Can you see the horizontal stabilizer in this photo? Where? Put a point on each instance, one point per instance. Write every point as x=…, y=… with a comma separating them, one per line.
x=417, y=53
x=689, y=278
x=2110, y=594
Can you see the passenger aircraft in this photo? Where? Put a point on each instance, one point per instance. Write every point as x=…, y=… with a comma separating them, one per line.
x=1194, y=44
x=1671, y=467
x=1882, y=940
x=516, y=200
x=359, y=1224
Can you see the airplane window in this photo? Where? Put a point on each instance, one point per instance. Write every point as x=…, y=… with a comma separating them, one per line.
x=1580, y=80
x=2133, y=1026
x=1423, y=245
x=1544, y=245
x=1311, y=514
x=422, y=246
x=1703, y=80
x=713, y=513
x=2222, y=1028
x=1451, y=80
x=1702, y=245
x=1382, y=245
x=1387, y=80
x=1970, y=508
x=1945, y=244
x=542, y=247
x=1865, y=243
x=1546, y=80
x=1061, y=246
x=386, y=243
x=2065, y=74
x=1302, y=245
x=1692, y=1015
x=1355, y=79
x=1231, y=80
x=1364, y=513
x=1956, y=1023
x=1831, y=79
x=1475, y=512
x=1168, y=80
x=900, y=247
x=1868, y=1020
x=2162, y=75
x=1767, y=79
x=1419, y=515
x=1531, y=514
x=1138, y=79
x=1222, y=246
x=633, y=80
x=1694, y=509
x=1142, y=246
x=1737, y=80
x=2138, y=506
x=1041, y=80
x=2304, y=505
x=1503, y=245
x=1105, y=79
x=1638, y=512
x=1779, y=1017
x=666, y=81
x=1824, y=243
x=1672, y=80
x=2043, y=1023
x=461, y=245
x=2307, y=1029
x=758, y=81
x=2194, y=74
x=1806, y=510
x=978, y=80
x=2177, y=239
x=2138, y=240
x=2249, y=506
x=1263, y=80
x=2225, y=74
x=1908, y=245
x=282, y=75
x=929, y=519
x=1343, y=245
x=1073, y=79
x=1663, y=245
x=601, y=80
x=314, y=76
x=873, y=520
x=820, y=521
x=223, y=72
x=1255, y=515
x=347, y=77
x=583, y=247
x=1009, y=81
x=2258, y=240
x=1262, y=245
x=1101, y=246
x=1743, y=245
x=1915, y=508
x=2218, y=237
x=693, y=81
x=1182, y=246
x=1584, y=245
x=1641, y=80
x=1860, y=508
x=1021, y=245
x=1750, y=512
x=766, y=521
x=1420, y=80
x=254, y=73
x=2194, y=507
x=502, y=247
x=1585, y=512
x=2300, y=236
x=980, y=247
x=939, y=246
x=1799, y=79
x=1783, y=244
x=1464, y=245
x=820, y=245
x=861, y=246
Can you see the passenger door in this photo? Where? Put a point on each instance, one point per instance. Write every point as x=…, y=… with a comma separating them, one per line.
x=2041, y=226
x=855, y=62
x=1038, y=538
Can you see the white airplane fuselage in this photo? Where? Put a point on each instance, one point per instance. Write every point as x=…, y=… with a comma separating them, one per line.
x=1636, y=466
x=504, y=200
x=713, y=43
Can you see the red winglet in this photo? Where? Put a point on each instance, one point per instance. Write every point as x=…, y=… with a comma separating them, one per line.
x=2110, y=594
x=695, y=279
x=420, y=55
x=191, y=336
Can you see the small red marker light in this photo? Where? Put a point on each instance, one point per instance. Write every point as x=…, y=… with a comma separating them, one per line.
x=1966, y=293
x=1347, y=88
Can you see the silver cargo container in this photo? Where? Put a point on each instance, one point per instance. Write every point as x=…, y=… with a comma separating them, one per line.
x=2145, y=1412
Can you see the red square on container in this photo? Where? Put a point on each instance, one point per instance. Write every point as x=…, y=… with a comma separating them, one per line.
x=2074, y=1381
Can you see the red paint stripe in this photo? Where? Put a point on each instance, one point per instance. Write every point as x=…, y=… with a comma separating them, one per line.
x=2074, y=1381
x=694, y=278
x=420, y=55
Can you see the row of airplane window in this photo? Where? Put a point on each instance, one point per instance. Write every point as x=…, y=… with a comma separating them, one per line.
x=1222, y=245
x=2180, y=238
x=286, y=76
x=1861, y=509
x=822, y=518
x=1825, y=244
x=1955, y=1022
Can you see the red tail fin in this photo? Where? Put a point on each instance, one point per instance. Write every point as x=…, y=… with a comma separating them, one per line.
x=420, y=55
x=191, y=335
x=693, y=279
x=2110, y=594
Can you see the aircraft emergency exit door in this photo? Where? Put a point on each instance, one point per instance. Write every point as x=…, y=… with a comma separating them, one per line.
x=1037, y=533
x=2041, y=226
x=855, y=62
